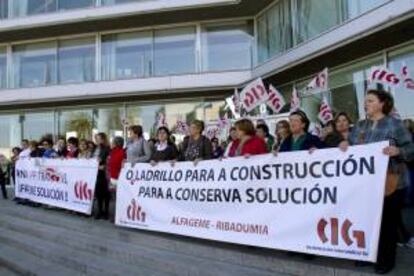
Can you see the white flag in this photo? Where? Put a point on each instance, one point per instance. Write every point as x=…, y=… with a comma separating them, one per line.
x=294, y=101
x=408, y=81
x=276, y=101
x=182, y=127
x=254, y=94
x=319, y=83
x=237, y=102
x=384, y=76
x=325, y=111
x=161, y=120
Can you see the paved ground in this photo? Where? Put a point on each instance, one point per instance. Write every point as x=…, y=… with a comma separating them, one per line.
x=39, y=241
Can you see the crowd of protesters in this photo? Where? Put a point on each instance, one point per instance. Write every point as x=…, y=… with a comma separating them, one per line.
x=246, y=139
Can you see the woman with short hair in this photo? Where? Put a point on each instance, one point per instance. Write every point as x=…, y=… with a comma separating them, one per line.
x=196, y=146
x=164, y=148
x=300, y=138
x=137, y=149
x=249, y=143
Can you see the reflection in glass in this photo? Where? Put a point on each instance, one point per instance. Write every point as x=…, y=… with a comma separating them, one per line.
x=274, y=32
x=4, y=9
x=404, y=97
x=10, y=134
x=126, y=56
x=77, y=123
x=37, y=125
x=3, y=67
x=35, y=64
x=227, y=47
x=109, y=121
x=76, y=60
x=174, y=51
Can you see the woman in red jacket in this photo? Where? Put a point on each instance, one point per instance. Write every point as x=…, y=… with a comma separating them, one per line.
x=249, y=143
x=115, y=161
x=116, y=158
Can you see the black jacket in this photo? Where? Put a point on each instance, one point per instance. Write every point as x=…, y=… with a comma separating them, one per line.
x=311, y=141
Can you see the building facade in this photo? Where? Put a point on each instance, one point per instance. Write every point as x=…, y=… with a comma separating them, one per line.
x=75, y=68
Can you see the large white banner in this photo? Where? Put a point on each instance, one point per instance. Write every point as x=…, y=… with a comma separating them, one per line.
x=68, y=183
x=325, y=203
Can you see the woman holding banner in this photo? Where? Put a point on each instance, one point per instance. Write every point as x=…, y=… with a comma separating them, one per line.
x=300, y=138
x=137, y=149
x=282, y=132
x=342, y=125
x=233, y=143
x=249, y=143
x=164, y=148
x=196, y=147
x=102, y=188
x=381, y=126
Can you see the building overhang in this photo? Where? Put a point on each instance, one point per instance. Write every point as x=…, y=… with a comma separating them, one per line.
x=125, y=16
x=163, y=87
x=383, y=27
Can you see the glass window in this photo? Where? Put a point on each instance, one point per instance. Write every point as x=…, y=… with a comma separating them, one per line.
x=37, y=125
x=35, y=64
x=76, y=60
x=316, y=16
x=147, y=115
x=347, y=90
x=109, y=121
x=70, y=4
x=76, y=123
x=114, y=2
x=4, y=9
x=275, y=30
x=32, y=7
x=214, y=110
x=286, y=91
x=3, y=67
x=404, y=98
x=227, y=47
x=357, y=7
x=174, y=51
x=10, y=134
x=126, y=55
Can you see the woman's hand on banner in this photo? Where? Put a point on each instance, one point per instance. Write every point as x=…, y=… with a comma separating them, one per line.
x=195, y=162
x=275, y=153
x=172, y=163
x=343, y=146
x=153, y=163
x=312, y=150
x=247, y=156
x=391, y=151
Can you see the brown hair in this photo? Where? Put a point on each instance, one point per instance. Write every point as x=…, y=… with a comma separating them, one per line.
x=385, y=98
x=33, y=144
x=137, y=129
x=283, y=123
x=303, y=117
x=104, y=138
x=199, y=124
x=344, y=114
x=246, y=126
